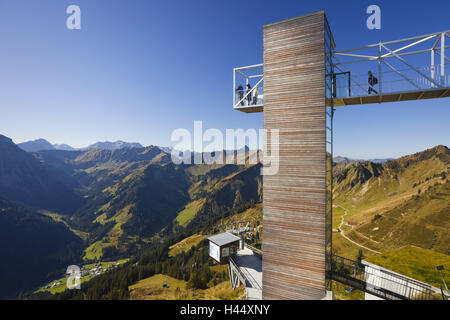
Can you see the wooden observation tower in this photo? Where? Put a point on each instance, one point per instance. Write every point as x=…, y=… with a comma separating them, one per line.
x=301, y=81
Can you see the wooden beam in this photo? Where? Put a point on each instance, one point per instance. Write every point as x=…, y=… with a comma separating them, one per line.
x=421, y=95
x=444, y=93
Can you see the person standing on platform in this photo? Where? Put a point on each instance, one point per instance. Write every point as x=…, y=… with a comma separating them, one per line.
x=255, y=95
x=372, y=82
x=249, y=94
x=240, y=94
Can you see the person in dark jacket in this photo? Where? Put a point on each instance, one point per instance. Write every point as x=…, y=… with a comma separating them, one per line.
x=249, y=95
x=240, y=94
x=372, y=82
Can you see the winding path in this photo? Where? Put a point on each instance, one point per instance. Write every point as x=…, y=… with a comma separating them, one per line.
x=347, y=238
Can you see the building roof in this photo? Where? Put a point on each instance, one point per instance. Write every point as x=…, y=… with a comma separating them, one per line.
x=224, y=238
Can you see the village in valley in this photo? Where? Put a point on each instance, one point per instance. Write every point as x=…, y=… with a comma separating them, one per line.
x=88, y=272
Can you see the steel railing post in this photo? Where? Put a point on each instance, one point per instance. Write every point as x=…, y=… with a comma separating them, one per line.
x=379, y=72
x=432, y=67
x=442, y=58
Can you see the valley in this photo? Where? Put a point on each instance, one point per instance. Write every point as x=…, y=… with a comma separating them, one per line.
x=133, y=203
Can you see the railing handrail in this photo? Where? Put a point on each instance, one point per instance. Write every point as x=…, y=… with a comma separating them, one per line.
x=249, y=92
x=408, y=288
x=251, y=280
x=249, y=67
x=255, y=250
x=399, y=81
x=236, y=267
x=246, y=276
x=394, y=41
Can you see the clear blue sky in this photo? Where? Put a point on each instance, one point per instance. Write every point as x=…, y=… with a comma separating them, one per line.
x=138, y=69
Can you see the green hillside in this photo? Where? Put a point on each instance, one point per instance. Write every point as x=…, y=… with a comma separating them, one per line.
x=34, y=249
x=134, y=201
x=402, y=202
x=417, y=263
x=189, y=212
x=163, y=287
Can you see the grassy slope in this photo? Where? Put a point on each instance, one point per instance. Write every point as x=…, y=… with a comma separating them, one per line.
x=409, y=216
x=254, y=215
x=422, y=221
x=57, y=217
x=410, y=199
x=417, y=263
x=188, y=213
x=152, y=289
x=340, y=292
x=186, y=244
x=95, y=250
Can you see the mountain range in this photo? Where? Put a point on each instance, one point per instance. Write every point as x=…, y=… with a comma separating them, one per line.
x=115, y=145
x=25, y=179
x=42, y=145
x=115, y=201
x=110, y=203
x=340, y=159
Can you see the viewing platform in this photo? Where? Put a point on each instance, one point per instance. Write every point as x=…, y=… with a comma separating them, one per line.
x=414, y=68
x=378, y=282
x=248, y=94
x=246, y=267
x=244, y=262
x=408, y=69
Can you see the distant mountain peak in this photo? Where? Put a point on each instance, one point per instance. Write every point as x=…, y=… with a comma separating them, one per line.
x=36, y=145
x=4, y=139
x=441, y=149
x=119, y=144
x=340, y=159
x=64, y=147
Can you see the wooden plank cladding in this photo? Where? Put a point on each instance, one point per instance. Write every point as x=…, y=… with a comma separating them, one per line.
x=294, y=199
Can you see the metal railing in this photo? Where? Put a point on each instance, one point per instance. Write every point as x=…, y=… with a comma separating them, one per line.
x=347, y=85
x=246, y=98
x=255, y=250
x=242, y=78
x=390, y=286
x=244, y=276
x=234, y=268
x=407, y=65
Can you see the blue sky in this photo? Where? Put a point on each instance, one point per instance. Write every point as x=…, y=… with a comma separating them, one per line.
x=139, y=69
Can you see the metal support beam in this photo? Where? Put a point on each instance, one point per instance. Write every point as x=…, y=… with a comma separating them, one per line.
x=442, y=58
x=407, y=46
x=234, y=87
x=413, y=68
x=400, y=74
x=379, y=74
x=432, y=66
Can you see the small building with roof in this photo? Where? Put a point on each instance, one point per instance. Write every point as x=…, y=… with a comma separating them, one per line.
x=222, y=246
